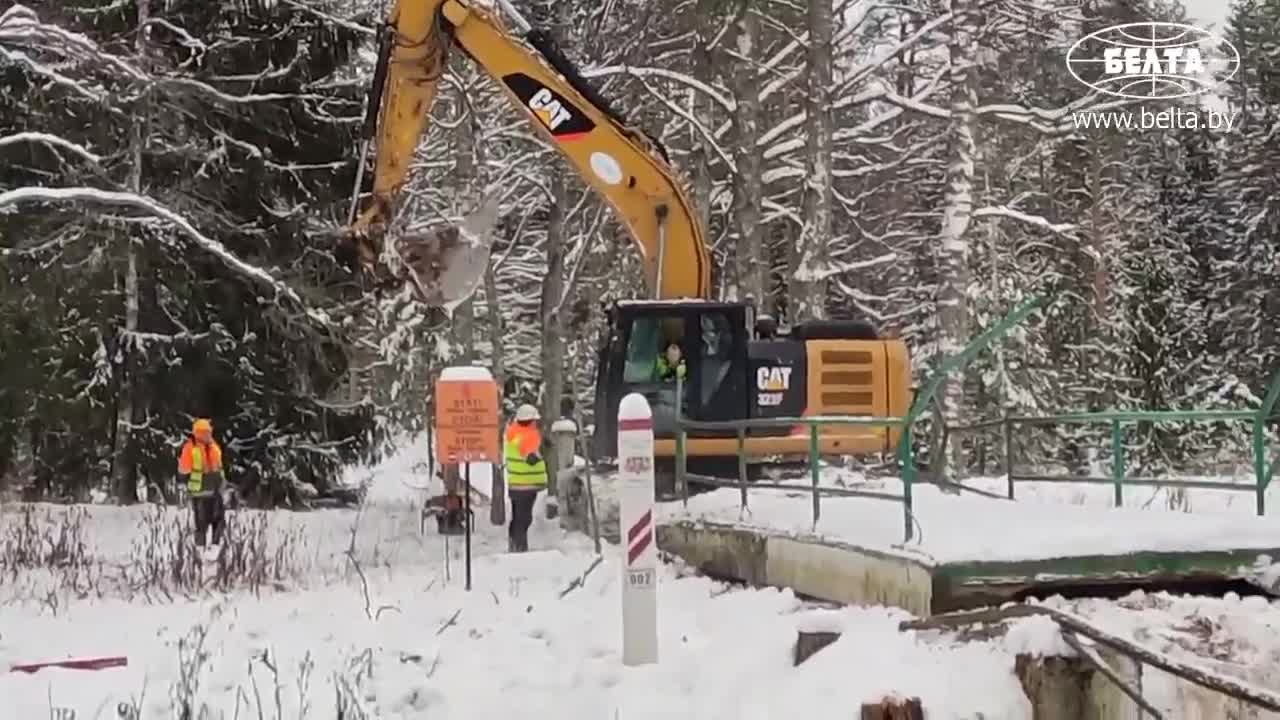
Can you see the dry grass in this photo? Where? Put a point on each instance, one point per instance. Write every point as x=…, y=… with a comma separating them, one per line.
x=53, y=543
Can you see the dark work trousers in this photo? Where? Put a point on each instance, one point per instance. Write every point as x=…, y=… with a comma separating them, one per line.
x=521, y=518
x=210, y=512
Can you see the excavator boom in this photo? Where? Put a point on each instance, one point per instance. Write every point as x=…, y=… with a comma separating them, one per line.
x=618, y=162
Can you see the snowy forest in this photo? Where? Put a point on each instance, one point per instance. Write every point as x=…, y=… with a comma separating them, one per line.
x=174, y=176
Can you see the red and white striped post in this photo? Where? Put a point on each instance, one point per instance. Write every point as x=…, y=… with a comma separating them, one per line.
x=640, y=562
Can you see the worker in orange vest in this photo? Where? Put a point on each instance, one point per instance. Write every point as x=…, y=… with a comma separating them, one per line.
x=200, y=462
x=526, y=474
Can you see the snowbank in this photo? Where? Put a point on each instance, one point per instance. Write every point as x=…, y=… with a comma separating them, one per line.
x=512, y=645
x=968, y=527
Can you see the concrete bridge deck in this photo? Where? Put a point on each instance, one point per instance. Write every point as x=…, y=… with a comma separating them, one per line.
x=971, y=551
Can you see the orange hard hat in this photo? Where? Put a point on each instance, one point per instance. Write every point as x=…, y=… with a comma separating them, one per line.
x=201, y=425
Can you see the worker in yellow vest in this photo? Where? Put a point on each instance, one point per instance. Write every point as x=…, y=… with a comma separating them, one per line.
x=526, y=474
x=200, y=463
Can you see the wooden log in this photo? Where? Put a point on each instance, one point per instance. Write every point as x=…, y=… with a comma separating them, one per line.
x=98, y=663
x=1056, y=686
x=893, y=708
x=808, y=643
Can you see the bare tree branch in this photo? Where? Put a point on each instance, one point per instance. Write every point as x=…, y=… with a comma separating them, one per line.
x=151, y=207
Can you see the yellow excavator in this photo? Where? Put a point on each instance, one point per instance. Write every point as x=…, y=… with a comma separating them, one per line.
x=735, y=366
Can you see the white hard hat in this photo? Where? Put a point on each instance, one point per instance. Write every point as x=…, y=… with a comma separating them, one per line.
x=526, y=412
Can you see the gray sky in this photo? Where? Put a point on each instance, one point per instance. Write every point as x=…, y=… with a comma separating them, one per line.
x=1208, y=12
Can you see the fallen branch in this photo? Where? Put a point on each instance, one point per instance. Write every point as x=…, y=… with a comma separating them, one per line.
x=453, y=620
x=1093, y=658
x=581, y=580
x=1203, y=677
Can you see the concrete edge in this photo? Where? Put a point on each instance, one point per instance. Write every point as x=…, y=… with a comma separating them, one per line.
x=878, y=554
x=969, y=584
x=810, y=566
x=845, y=573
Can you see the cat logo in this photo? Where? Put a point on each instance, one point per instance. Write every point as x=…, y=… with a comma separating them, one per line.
x=772, y=383
x=773, y=379
x=548, y=109
x=565, y=121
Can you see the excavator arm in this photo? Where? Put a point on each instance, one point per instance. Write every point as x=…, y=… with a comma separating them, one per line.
x=615, y=160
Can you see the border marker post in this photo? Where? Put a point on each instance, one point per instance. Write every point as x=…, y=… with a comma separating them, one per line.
x=636, y=514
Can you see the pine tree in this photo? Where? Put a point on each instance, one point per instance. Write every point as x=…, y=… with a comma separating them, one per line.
x=243, y=137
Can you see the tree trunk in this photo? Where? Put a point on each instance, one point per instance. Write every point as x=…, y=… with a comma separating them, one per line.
x=957, y=212
x=494, y=314
x=752, y=263
x=809, y=282
x=467, y=187
x=552, y=316
x=124, y=451
x=703, y=69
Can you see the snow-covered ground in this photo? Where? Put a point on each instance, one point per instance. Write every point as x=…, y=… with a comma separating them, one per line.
x=512, y=645
x=1233, y=636
x=1047, y=520
x=301, y=633
x=417, y=644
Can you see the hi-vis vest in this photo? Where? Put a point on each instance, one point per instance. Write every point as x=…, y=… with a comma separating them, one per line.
x=520, y=442
x=193, y=464
x=664, y=371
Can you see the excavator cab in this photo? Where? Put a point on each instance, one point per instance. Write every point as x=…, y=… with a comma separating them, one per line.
x=713, y=338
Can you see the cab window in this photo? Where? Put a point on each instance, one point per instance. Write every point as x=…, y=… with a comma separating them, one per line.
x=649, y=336
x=717, y=353
x=642, y=351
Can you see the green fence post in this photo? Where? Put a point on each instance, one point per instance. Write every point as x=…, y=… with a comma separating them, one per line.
x=742, y=464
x=682, y=481
x=907, y=461
x=815, y=471
x=1262, y=477
x=1006, y=428
x=1117, y=461
x=945, y=368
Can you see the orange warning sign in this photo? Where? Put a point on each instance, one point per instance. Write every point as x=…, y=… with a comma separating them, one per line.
x=467, y=421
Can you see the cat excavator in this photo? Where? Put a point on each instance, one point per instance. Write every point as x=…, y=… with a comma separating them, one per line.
x=737, y=366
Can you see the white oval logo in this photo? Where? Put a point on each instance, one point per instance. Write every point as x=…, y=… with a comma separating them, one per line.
x=606, y=168
x=1153, y=60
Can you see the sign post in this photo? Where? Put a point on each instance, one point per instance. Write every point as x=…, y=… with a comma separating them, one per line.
x=467, y=428
x=636, y=511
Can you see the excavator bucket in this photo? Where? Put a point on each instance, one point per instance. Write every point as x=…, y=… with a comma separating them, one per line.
x=447, y=266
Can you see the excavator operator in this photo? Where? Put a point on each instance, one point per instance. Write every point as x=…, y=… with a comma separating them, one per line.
x=671, y=365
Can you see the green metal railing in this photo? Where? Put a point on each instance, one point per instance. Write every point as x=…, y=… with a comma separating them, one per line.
x=904, y=454
x=813, y=426
x=1264, y=469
